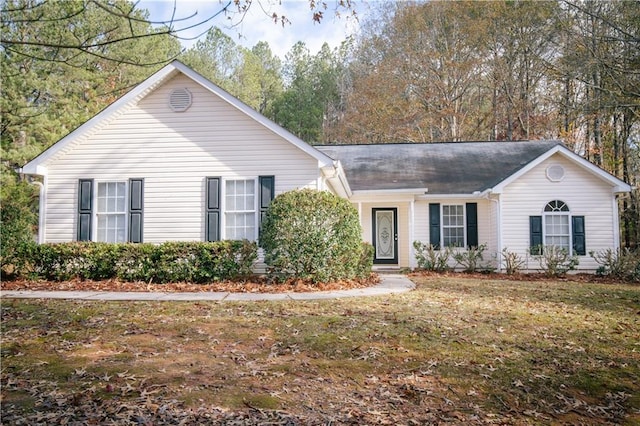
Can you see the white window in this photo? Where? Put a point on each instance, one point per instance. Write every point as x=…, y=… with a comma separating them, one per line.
x=111, y=213
x=240, y=209
x=557, y=225
x=453, y=231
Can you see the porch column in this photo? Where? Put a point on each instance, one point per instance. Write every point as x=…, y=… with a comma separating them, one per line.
x=412, y=258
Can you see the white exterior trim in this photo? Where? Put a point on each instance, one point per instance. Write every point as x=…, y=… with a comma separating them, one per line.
x=35, y=166
x=618, y=185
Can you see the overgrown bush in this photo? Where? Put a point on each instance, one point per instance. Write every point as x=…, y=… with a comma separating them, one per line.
x=431, y=259
x=513, y=262
x=554, y=261
x=17, y=223
x=621, y=263
x=196, y=262
x=315, y=236
x=472, y=259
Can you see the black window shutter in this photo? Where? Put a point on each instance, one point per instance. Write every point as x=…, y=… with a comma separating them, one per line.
x=85, y=209
x=434, y=225
x=212, y=211
x=535, y=234
x=472, y=224
x=579, y=237
x=136, y=209
x=267, y=193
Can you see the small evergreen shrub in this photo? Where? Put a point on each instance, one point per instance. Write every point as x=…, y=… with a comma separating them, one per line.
x=431, y=259
x=472, y=259
x=315, y=236
x=555, y=261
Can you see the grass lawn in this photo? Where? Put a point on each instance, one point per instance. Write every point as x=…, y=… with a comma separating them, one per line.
x=456, y=350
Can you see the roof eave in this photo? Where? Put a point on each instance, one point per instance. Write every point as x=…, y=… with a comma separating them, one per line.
x=618, y=185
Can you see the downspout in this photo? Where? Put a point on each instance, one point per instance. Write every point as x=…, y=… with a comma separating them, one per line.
x=485, y=195
x=616, y=223
x=41, y=204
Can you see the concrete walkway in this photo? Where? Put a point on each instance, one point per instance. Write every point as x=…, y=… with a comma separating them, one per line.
x=390, y=284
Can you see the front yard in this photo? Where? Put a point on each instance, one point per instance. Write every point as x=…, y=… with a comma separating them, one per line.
x=457, y=350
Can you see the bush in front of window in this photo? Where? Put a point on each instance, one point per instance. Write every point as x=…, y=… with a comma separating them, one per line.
x=431, y=258
x=195, y=262
x=472, y=259
x=314, y=236
x=554, y=261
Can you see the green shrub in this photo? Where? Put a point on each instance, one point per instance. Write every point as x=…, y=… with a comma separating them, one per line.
x=431, y=259
x=196, y=262
x=554, y=261
x=313, y=235
x=17, y=224
x=472, y=258
x=623, y=264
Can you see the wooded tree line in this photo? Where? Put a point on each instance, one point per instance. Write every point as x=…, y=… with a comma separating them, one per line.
x=417, y=72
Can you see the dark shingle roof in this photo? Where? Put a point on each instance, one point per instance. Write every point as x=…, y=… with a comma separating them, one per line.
x=443, y=168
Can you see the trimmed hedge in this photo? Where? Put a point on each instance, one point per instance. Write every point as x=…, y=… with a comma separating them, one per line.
x=315, y=236
x=196, y=262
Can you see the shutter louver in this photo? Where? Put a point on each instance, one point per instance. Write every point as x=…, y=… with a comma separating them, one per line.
x=434, y=225
x=579, y=237
x=535, y=235
x=472, y=224
x=212, y=211
x=136, y=208
x=85, y=209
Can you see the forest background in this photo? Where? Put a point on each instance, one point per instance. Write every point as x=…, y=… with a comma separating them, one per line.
x=416, y=72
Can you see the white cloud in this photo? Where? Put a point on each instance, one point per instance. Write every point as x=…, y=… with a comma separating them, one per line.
x=257, y=25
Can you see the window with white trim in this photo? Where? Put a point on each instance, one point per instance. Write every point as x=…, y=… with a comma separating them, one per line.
x=240, y=209
x=453, y=226
x=111, y=212
x=557, y=225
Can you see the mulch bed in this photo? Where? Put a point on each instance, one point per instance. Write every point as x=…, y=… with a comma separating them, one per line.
x=573, y=277
x=252, y=285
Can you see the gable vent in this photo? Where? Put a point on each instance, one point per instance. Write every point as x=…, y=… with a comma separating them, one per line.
x=180, y=100
x=555, y=173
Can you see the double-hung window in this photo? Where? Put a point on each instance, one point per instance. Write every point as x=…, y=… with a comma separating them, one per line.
x=111, y=212
x=234, y=207
x=240, y=209
x=453, y=225
x=557, y=229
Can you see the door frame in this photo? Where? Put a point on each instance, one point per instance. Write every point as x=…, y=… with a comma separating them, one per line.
x=374, y=224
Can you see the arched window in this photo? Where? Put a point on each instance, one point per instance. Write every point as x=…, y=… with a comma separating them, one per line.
x=557, y=225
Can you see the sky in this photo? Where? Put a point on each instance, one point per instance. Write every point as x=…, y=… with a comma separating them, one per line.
x=257, y=24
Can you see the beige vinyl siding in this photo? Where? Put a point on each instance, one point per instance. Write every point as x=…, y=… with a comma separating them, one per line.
x=585, y=194
x=173, y=152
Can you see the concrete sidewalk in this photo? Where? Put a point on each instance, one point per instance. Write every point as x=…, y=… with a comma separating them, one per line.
x=390, y=284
